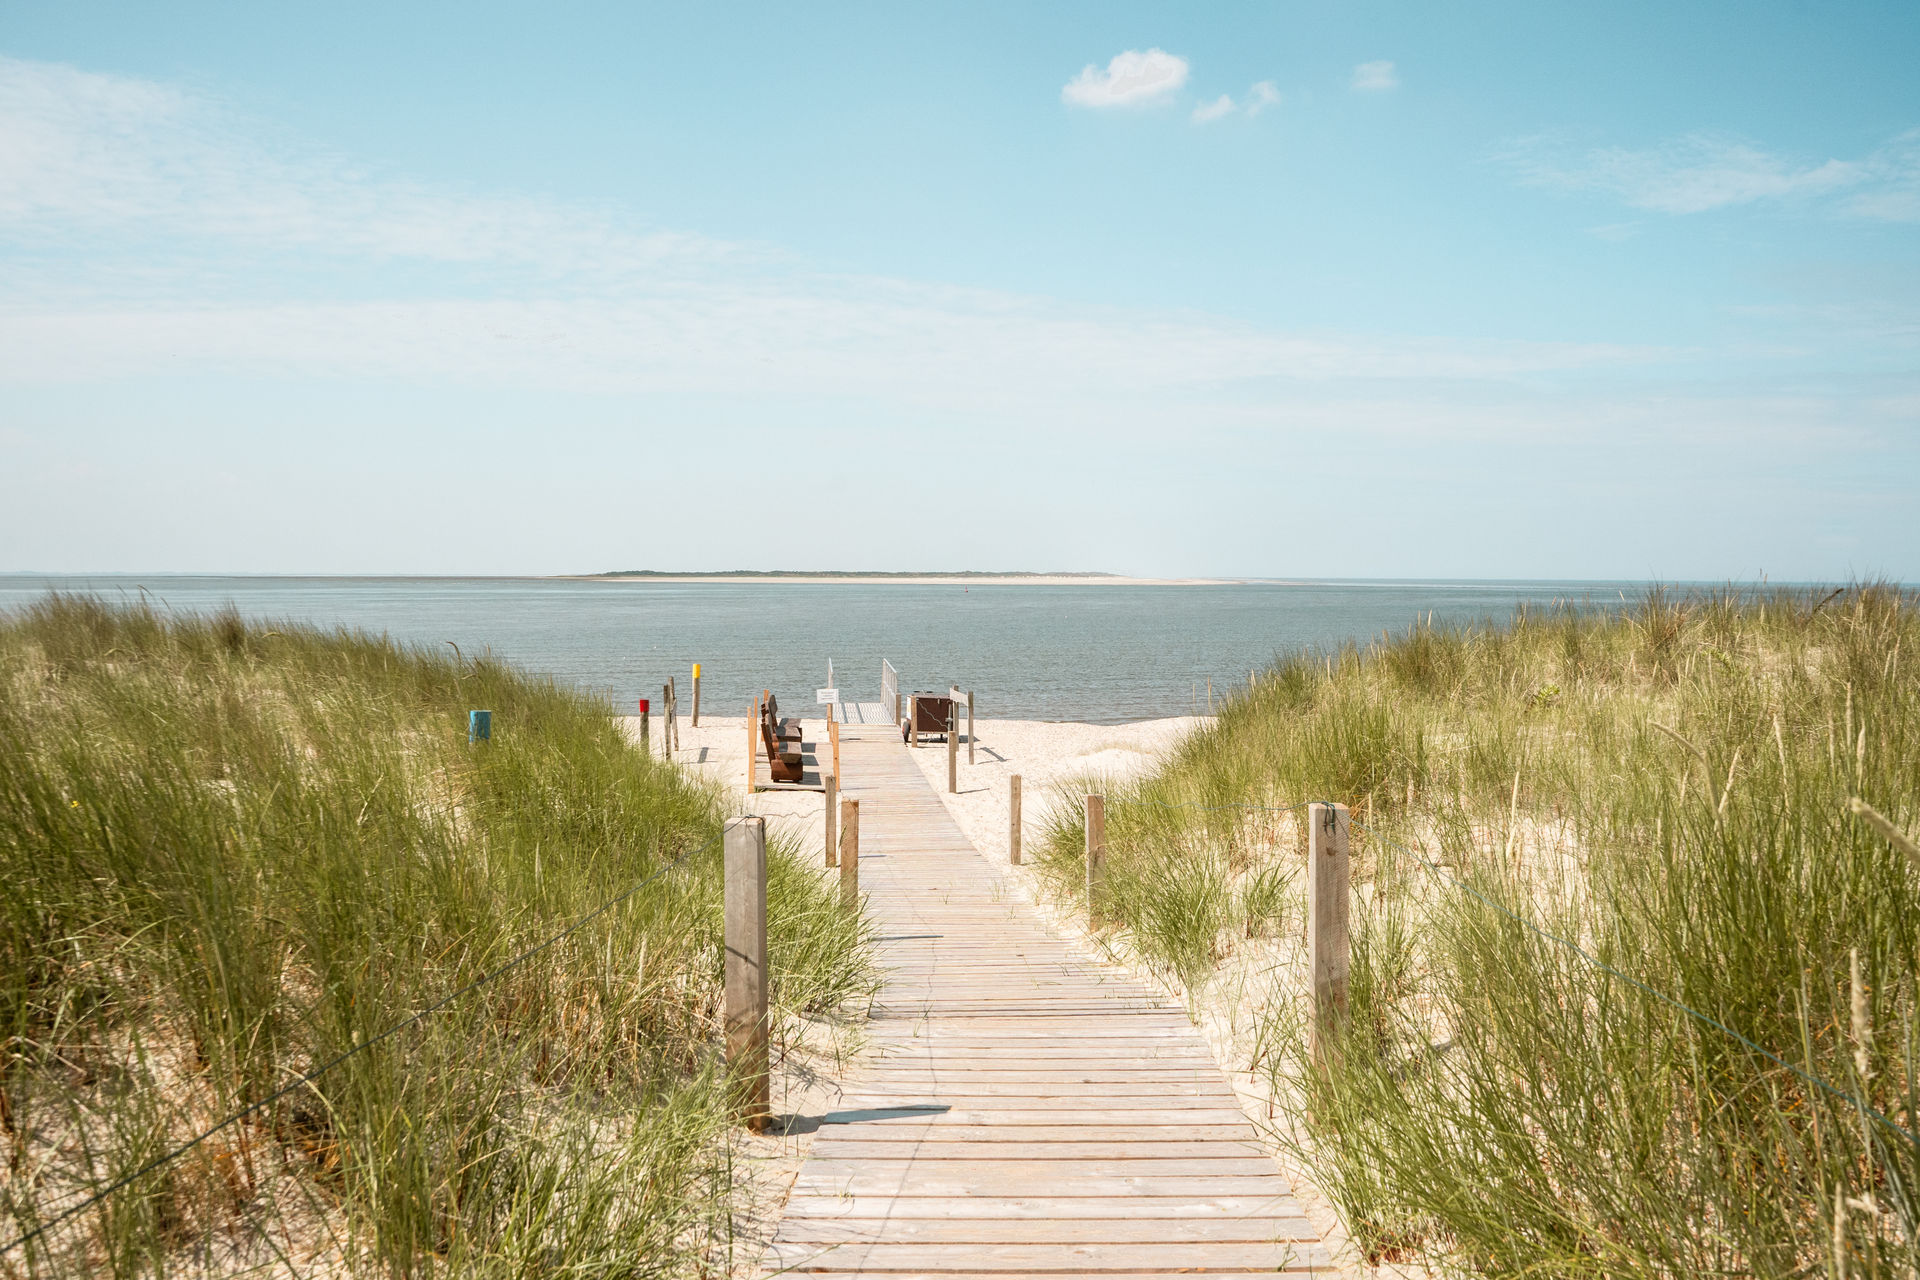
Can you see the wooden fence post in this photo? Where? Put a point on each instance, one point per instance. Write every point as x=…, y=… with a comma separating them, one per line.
x=850, y=854
x=833, y=732
x=646, y=728
x=745, y=904
x=913, y=721
x=969, y=726
x=753, y=739
x=953, y=749
x=1328, y=954
x=1096, y=849
x=1013, y=820
x=833, y=791
x=666, y=729
x=696, y=695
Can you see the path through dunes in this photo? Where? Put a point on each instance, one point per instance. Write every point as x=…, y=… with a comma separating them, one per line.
x=1021, y=1111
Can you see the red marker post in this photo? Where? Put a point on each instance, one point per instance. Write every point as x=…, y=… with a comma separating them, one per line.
x=646, y=719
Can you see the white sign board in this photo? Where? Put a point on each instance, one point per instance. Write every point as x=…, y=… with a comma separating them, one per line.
x=824, y=696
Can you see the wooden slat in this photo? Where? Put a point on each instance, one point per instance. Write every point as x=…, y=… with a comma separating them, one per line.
x=1049, y=1256
x=1247, y=1230
x=1020, y=1110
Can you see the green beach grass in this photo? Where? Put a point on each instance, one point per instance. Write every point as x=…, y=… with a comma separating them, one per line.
x=1667, y=787
x=229, y=853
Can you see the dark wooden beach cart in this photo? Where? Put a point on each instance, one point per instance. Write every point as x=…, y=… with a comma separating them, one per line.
x=926, y=713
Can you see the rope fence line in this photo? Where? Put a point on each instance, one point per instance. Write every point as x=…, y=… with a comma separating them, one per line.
x=1443, y=874
x=252, y=1108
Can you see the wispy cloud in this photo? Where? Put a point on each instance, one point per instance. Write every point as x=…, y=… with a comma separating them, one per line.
x=1701, y=172
x=84, y=152
x=1261, y=96
x=1375, y=77
x=1132, y=78
x=1219, y=108
x=149, y=231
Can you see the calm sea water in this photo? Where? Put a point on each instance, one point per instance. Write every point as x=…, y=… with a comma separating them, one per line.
x=1101, y=653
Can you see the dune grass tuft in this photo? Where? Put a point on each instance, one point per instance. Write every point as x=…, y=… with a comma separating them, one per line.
x=229, y=852
x=1668, y=787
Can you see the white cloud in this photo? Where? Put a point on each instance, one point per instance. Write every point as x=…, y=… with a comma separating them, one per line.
x=1373, y=77
x=1204, y=112
x=1264, y=94
x=1701, y=172
x=1131, y=79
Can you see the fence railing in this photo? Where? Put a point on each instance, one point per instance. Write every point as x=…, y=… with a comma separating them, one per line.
x=890, y=688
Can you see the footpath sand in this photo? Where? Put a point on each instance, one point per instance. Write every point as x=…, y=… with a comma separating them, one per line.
x=1052, y=759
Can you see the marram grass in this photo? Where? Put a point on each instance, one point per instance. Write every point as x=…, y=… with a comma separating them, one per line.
x=1667, y=786
x=229, y=852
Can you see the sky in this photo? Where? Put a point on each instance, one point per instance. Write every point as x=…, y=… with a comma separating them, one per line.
x=1490, y=290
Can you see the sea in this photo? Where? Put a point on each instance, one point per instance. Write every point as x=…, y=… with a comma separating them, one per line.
x=1098, y=652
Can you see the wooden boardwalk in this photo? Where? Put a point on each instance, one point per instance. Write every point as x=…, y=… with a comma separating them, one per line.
x=1022, y=1112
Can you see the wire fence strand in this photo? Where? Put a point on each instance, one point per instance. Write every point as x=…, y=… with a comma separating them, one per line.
x=161, y=1161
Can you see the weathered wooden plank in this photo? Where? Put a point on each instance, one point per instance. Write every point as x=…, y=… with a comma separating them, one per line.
x=1025, y=1148
x=1066, y=1091
x=1035, y=1208
x=999, y=1113
x=1038, y=1179
x=1242, y=1230
x=1043, y=1256
x=1039, y=1136
x=825, y=1271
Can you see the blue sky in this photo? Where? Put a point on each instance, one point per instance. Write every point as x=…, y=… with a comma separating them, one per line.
x=1388, y=290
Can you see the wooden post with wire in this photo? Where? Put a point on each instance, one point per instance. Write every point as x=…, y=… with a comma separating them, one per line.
x=1329, y=953
x=969, y=726
x=696, y=695
x=833, y=790
x=850, y=854
x=666, y=729
x=1013, y=820
x=745, y=909
x=1096, y=849
x=953, y=748
x=753, y=741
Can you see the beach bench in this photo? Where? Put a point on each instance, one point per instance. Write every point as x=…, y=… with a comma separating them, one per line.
x=785, y=728
x=784, y=761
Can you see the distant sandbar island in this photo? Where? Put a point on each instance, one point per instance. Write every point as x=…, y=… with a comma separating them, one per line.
x=966, y=577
